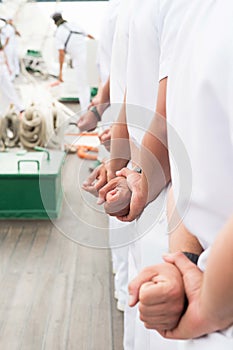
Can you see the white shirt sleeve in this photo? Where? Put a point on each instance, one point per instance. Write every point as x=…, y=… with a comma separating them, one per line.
x=170, y=16
x=60, y=36
x=6, y=33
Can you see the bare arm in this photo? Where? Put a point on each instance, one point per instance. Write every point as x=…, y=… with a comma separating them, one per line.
x=120, y=147
x=210, y=293
x=16, y=31
x=217, y=288
x=104, y=97
x=154, y=158
x=90, y=37
x=180, y=239
x=61, y=62
x=89, y=120
x=6, y=42
x=7, y=64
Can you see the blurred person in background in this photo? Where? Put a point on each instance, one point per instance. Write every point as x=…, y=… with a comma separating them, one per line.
x=71, y=38
x=8, y=94
x=9, y=35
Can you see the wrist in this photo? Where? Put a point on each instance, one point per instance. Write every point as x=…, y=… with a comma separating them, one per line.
x=192, y=257
x=137, y=169
x=110, y=175
x=101, y=107
x=94, y=110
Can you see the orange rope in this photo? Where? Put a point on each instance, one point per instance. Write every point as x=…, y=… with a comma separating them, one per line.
x=83, y=152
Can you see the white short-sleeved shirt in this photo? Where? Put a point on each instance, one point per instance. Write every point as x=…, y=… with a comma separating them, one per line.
x=8, y=32
x=76, y=42
x=120, y=53
x=200, y=108
x=106, y=40
x=142, y=67
x=171, y=15
x=153, y=31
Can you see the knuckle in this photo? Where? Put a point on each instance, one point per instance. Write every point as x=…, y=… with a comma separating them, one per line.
x=146, y=270
x=142, y=318
x=148, y=325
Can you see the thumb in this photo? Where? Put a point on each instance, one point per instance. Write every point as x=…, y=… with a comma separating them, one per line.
x=80, y=122
x=144, y=276
x=123, y=172
x=180, y=261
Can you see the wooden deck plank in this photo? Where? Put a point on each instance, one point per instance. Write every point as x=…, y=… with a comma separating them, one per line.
x=90, y=322
x=8, y=245
x=4, y=228
x=55, y=293
x=60, y=297
x=117, y=319
x=24, y=285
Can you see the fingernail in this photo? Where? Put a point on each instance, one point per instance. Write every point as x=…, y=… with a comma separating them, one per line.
x=167, y=256
x=131, y=300
x=100, y=201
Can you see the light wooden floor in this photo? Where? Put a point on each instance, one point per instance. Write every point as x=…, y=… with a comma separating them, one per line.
x=55, y=294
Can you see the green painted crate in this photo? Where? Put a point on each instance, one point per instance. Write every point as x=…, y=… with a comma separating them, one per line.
x=30, y=185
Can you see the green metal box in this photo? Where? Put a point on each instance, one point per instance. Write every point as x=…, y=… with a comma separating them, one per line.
x=30, y=184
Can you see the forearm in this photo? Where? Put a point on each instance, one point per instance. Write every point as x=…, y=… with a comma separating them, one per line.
x=61, y=60
x=7, y=63
x=104, y=97
x=90, y=36
x=6, y=42
x=154, y=159
x=180, y=239
x=120, y=146
x=217, y=288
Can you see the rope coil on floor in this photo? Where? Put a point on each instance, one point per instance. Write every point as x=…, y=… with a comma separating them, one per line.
x=9, y=128
x=32, y=128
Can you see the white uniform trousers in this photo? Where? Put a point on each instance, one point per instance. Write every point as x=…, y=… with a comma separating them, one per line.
x=8, y=92
x=152, y=227
x=213, y=341
x=13, y=60
x=120, y=233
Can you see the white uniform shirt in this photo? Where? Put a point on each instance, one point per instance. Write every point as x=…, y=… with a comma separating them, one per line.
x=8, y=32
x=2, y=58
x=142, y=68
x=106, y=40
x=153, y=31
x=120, y=53
x=143, y=74
x=3, y=65
x=200, y=108
x=76, y=42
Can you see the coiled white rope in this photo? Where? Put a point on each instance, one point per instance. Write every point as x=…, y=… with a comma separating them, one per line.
x=32, y=130
x=9, y=128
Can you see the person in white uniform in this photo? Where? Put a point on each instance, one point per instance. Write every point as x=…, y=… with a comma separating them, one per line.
x=101, y=101
x=104, y=53
x=199, y=108
x=118, y=231
x=7, y=90
x=71, y=38
x=140, y=104
x=141, y=101
x=9, y=35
